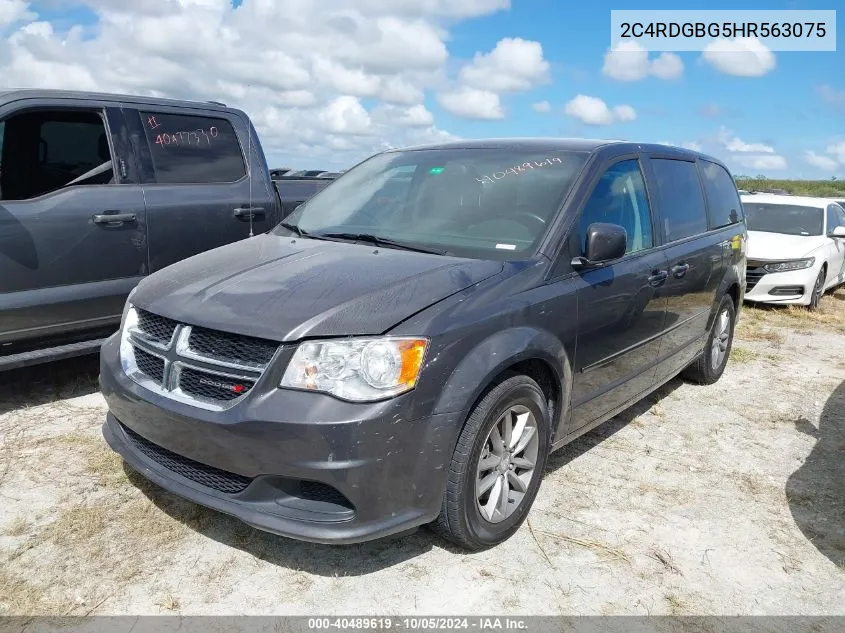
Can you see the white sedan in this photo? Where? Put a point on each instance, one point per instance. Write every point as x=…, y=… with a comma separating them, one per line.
x=796, y=248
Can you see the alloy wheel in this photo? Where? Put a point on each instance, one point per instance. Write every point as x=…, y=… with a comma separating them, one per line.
x=507, y=463
x=721, y=336
x=817, y=289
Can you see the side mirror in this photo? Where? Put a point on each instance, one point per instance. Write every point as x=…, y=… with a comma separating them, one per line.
x=839, y=231
x=605, y=242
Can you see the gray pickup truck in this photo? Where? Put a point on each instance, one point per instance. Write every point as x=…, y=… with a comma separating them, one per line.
x=98, y=191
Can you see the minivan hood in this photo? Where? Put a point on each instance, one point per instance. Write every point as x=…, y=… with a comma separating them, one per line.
x=285, y=289
x=775, y=246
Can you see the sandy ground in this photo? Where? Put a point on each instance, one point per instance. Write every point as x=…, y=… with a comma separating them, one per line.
x=719, y=500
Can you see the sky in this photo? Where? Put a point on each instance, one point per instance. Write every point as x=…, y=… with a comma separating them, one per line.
x=329, y=83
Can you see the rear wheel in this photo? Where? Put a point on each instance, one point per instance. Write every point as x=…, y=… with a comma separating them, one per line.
x=818, y=290
x=497, y=465
x=710, y=366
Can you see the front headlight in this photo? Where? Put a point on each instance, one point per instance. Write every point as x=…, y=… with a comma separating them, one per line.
x=795, y=264
x=127, y=307
x=129, y=321
x=358, y=369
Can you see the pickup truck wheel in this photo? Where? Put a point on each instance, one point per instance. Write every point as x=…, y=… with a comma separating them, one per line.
x=497, y=465
x=710, y=365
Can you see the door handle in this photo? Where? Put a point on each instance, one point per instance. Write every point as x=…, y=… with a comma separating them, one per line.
x=679, y=270
x=112, y=218
x=658, y=277
x=249, y=213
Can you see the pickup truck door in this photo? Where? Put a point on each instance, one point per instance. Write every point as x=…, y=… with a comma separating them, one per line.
x=72, y=219
x=201, y=192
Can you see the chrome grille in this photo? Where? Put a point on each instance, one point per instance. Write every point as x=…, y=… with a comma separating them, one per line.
x=201, y=385
x=754, y=272
x=157, y=329
x=200, y=366
x=150, y=365
x=231, y=348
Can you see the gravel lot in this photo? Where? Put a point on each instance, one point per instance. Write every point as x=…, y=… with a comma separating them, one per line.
x=720, y=500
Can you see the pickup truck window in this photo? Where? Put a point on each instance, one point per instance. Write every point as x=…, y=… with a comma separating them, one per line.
x=46, y=150
x=188, y=149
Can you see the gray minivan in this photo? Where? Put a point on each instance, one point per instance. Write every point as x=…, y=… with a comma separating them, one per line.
x=411, y=343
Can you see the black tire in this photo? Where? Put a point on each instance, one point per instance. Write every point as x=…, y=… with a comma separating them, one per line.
x=702, y=369
x=818, y=289
x=460, y=520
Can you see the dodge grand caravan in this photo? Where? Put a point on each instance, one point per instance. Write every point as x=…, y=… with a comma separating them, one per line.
x=409, y=346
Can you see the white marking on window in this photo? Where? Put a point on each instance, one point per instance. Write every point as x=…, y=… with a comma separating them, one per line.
x=506, y=247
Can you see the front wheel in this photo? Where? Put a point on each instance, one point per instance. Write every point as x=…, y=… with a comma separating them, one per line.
x=497, y=465
x=818, y=290
x=710, y=366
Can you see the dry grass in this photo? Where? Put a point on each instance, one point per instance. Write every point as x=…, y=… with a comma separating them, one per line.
x=168, y=602
x=601, y=549
x=743, y=355
x=829, y=316
x=754, y=330
x=749, y=484
x=102, y=534
x=18, y=527
x=17, y=596
x=677, y=605
x=665, y=558
x=108, y=543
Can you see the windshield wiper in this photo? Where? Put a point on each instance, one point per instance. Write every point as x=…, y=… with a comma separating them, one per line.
x=381, y=241
x=293, y=227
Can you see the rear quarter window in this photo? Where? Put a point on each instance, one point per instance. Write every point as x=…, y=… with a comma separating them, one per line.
x=722, y=197
x=679, y=198
x=189, y=149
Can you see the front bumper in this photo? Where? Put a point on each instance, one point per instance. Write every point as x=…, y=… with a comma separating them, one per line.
x=774, y=287
x=297, y=464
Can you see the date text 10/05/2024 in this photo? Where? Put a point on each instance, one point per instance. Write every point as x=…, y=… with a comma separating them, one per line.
x=418, y=623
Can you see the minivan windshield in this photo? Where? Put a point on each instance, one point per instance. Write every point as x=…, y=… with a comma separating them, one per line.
x=490, y=203
x=783, y=218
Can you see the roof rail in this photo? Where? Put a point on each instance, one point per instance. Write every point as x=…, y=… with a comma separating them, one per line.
x=220, y=103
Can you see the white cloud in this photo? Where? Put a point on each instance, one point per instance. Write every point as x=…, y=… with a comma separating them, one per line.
x=12, y=11
x=825, y=163
x=345, y=115
x=742, y=57
x=414, y=116
x=767, y=161
x=837, y=150
x=513, y=65
x=594, y=111
x=311, y=75
x=629, y=61
x=470, y=103
x=733, y=143
x=542, y=107
x=738, y=145
x=624, y=113
x=759, y=156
